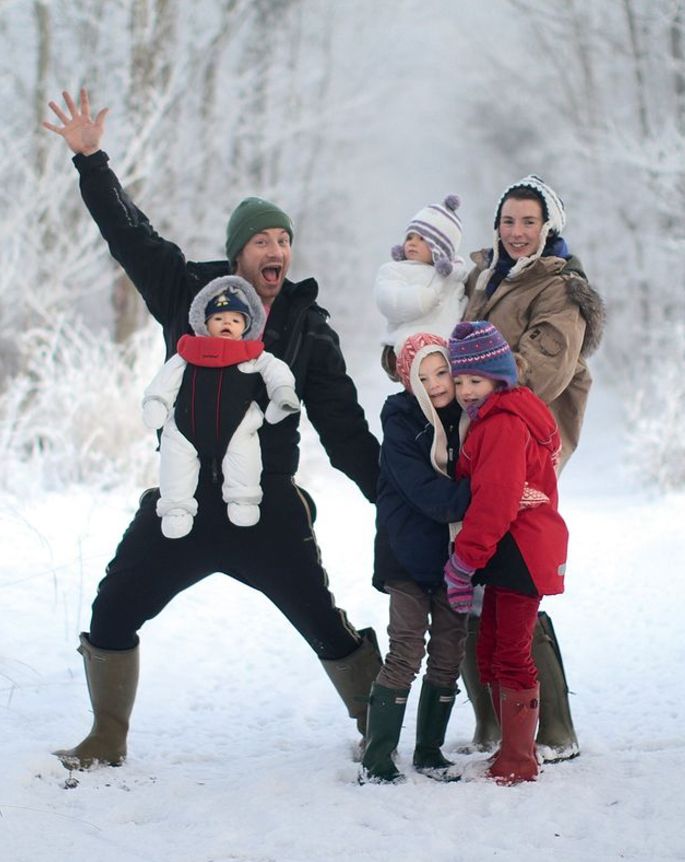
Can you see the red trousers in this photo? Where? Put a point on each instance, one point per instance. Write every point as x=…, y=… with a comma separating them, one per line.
x=505, y=639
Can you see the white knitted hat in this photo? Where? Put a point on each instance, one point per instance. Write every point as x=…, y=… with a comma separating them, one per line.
x=553, y=214
x=554, y=221
x=440, y=227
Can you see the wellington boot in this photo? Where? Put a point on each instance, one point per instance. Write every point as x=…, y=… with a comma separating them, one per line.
x=353, y=676
x=486, y=735
x=495, y=700
x=112, y=677
x=556, y=737
x=435, y=708
x=516, y=760
x=384, y=724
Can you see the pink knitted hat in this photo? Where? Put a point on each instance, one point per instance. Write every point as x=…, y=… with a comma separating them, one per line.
x=410, y=348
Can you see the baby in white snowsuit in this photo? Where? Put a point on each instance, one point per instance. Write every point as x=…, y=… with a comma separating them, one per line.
x=422, y=288
x=203, y=399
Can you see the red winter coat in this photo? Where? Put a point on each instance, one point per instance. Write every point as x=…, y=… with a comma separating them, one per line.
x=509, y=455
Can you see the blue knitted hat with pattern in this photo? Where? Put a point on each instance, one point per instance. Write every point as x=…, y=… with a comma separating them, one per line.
x=477, y=347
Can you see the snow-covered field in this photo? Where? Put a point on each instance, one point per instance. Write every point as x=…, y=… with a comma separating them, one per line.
x=240, y=750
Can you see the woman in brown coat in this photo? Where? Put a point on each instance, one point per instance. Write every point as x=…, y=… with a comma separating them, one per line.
x=535, y=292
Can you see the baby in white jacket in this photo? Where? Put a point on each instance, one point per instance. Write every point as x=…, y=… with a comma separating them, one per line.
x=203, y=399
x=422, y=288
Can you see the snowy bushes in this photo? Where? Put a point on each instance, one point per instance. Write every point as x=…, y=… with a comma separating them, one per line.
x=73, y=414
x=656, y=415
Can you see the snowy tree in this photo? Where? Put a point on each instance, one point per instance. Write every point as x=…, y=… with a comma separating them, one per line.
x=200, y=116
x=351, y=117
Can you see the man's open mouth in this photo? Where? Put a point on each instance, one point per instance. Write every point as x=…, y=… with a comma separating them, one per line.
x=271, y=274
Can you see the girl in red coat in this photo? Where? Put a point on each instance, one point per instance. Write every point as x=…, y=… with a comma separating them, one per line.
x=512, y=540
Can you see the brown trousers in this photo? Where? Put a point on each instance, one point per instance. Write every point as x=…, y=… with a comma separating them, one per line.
x=413, y=614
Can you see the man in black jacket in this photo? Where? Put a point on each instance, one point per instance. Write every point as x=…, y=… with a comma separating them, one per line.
x=279, y=555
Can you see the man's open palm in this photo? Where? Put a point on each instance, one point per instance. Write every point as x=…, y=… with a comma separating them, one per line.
x=79, y=130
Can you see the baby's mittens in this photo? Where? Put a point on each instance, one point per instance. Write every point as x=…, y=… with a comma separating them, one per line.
x=284, y=401
x=459, y=585
x=155, y=413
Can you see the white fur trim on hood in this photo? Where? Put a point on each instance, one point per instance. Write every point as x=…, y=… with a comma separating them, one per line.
x=230, y=284
x=439, y=447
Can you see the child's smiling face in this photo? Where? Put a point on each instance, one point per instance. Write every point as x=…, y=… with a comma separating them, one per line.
x=472, y=389
x=436, y=377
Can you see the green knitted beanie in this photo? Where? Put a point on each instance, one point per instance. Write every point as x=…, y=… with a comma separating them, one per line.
x=251, y=216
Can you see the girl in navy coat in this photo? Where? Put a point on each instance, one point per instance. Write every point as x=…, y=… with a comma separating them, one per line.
x=416, y=504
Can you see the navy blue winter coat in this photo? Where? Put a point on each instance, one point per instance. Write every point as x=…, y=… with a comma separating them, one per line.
x=415, y=503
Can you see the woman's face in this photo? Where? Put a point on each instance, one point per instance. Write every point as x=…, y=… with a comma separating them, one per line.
x=519, y=227
x=435, y=374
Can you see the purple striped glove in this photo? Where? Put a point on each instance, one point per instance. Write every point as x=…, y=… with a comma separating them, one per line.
x=459, y=586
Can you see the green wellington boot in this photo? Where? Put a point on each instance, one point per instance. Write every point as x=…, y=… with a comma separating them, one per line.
x=384, y=724
x=112, y=677
x=353, y=676
x=556, y=737
x=486, y=735
x=435, y=708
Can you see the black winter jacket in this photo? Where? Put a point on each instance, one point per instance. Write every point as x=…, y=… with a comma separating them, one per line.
x=297, y=330
x=415, y=502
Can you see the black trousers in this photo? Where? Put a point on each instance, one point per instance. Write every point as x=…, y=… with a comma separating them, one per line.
x=278, y=556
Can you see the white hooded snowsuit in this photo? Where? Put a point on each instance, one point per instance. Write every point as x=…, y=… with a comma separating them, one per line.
x=413, y=297
x=180, y=386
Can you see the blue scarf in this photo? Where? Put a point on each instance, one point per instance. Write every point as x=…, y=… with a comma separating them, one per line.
x=555, y=246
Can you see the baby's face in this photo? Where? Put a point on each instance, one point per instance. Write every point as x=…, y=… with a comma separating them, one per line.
x=227, y=324
x=435, y=374
x=416, y=248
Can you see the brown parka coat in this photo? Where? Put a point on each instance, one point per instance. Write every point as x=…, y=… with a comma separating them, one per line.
x=552, y=319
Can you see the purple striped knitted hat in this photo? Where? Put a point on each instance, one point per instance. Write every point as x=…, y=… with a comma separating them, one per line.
x=440, y=227
x=478, y=348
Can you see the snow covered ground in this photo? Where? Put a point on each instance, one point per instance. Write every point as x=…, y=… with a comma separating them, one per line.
x=239, y=748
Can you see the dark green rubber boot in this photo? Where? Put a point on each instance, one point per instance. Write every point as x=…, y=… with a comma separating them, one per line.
x=435, y=708
x=384, y=724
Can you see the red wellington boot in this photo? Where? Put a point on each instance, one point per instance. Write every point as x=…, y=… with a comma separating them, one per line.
x=516, y=760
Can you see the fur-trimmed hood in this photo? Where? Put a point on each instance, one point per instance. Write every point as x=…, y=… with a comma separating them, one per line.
x=243, y=290
x=592, y=308
x=579, y=291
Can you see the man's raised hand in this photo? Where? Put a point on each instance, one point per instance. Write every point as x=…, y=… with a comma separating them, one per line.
x=79, y=130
